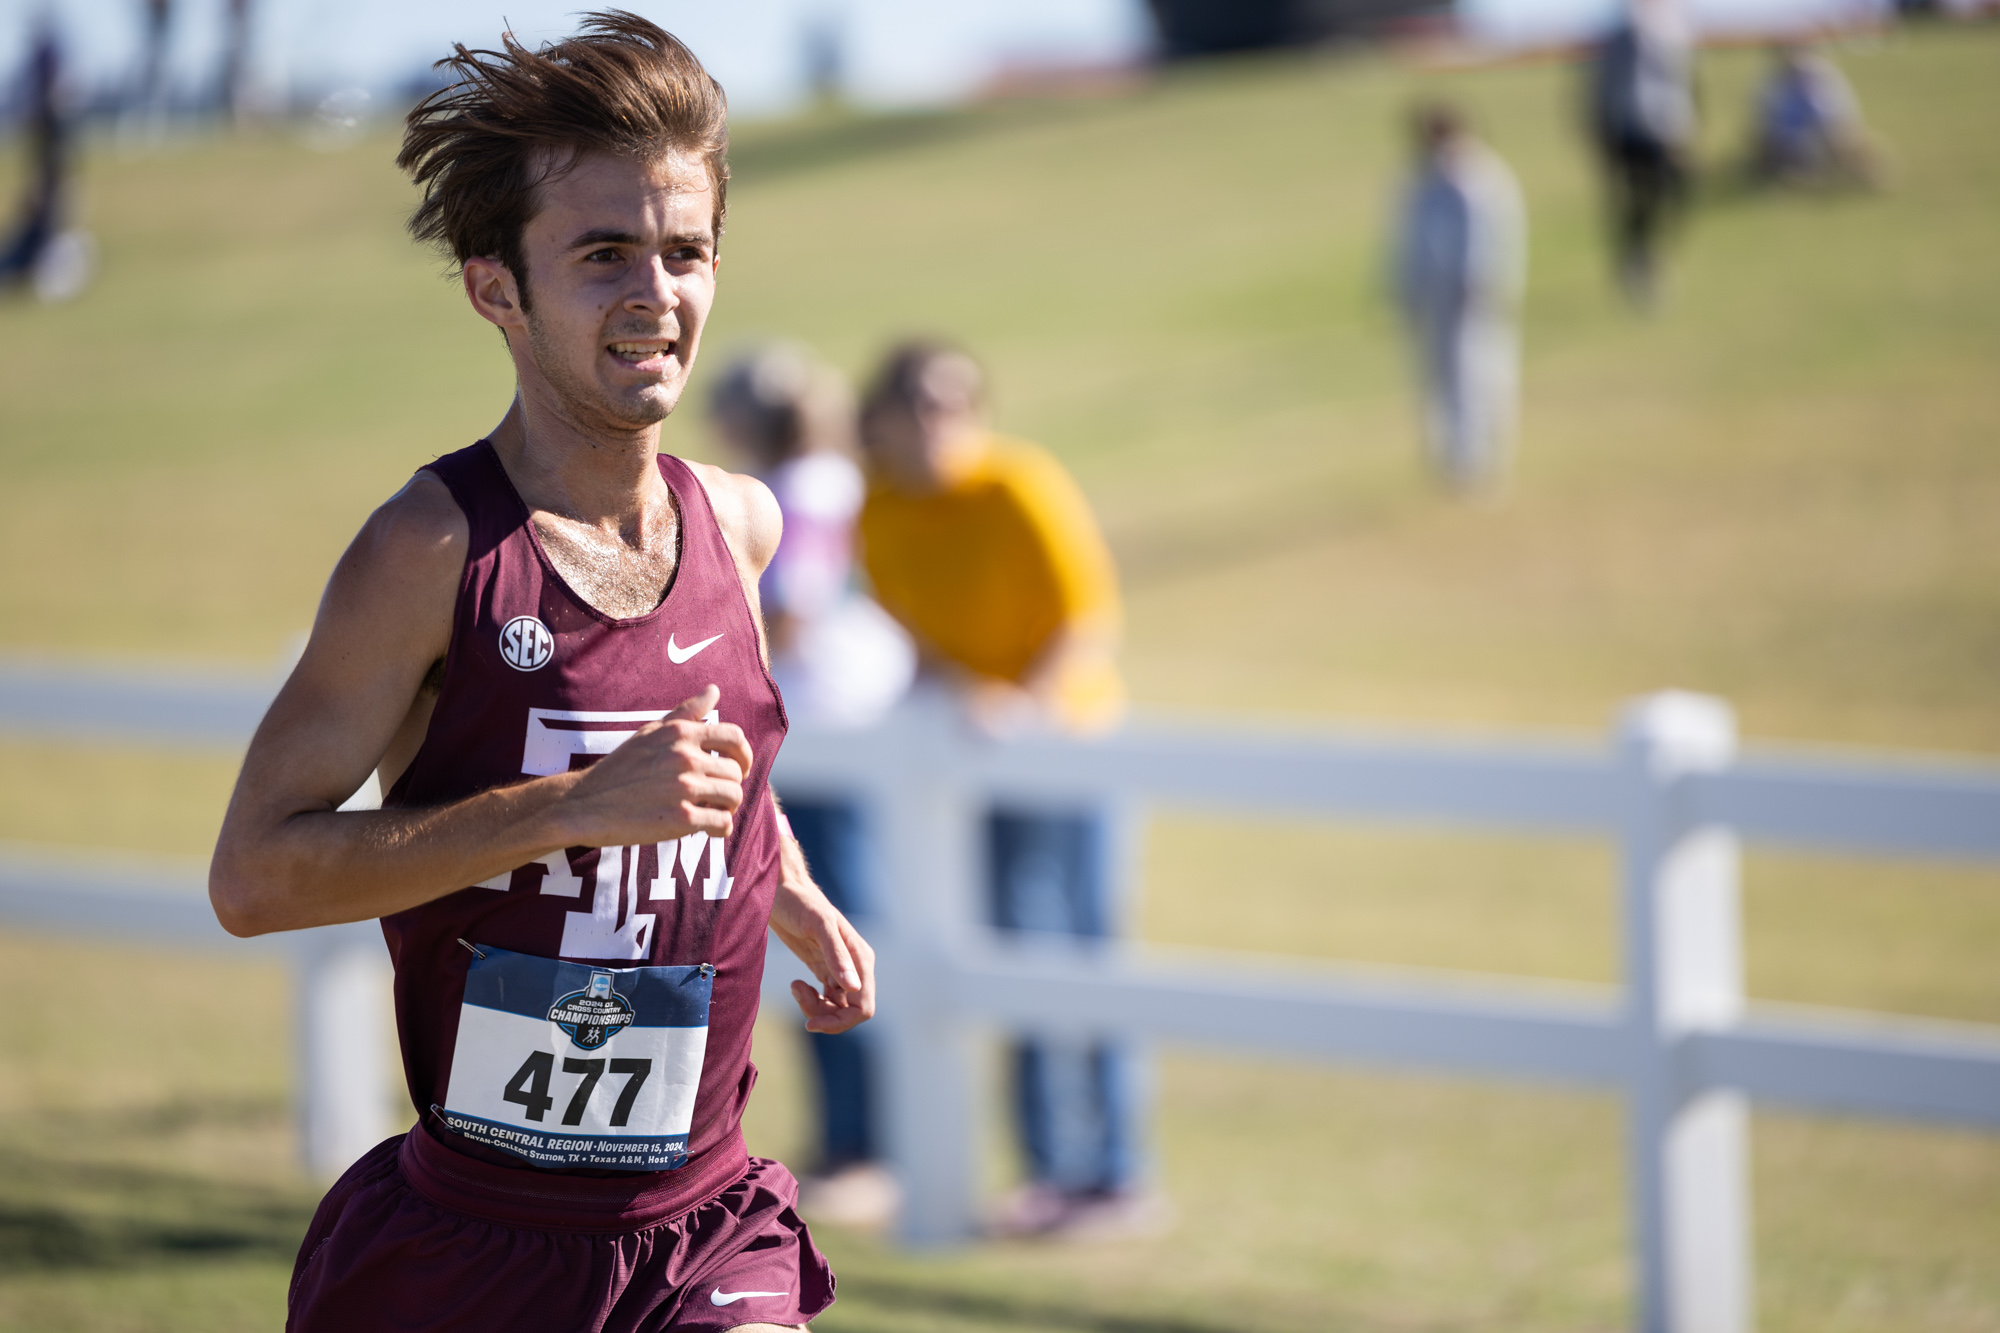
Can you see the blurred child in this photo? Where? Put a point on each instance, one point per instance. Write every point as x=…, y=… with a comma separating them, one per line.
x=1461, y=256
x=839, y=661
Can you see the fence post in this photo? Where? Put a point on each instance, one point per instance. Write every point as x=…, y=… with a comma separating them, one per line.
x=1684, y=971
x=928, y=817
x=342, y=985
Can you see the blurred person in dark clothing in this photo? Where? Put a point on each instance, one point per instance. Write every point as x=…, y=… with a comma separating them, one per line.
x=45, y=193
x=1809, y=129
x=233, y=80
x=37, y=249
x=1643, y=122
x=143, y=117
x=840, y=662
x=1461, y=255
x=150, y=97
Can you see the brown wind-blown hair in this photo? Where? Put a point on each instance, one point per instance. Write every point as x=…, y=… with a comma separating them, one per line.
x=516, y=118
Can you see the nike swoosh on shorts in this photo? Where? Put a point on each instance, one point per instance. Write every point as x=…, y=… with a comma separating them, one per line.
x=721, y=1297
x=677, y=654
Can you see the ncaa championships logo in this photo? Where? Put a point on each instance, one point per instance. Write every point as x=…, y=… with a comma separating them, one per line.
x=594, y=1015
x=526, y=643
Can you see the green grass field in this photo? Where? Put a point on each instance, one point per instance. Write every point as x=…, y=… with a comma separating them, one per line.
x=1784, y=490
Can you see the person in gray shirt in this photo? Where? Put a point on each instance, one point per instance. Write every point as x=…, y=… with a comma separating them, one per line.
x=1461, y=258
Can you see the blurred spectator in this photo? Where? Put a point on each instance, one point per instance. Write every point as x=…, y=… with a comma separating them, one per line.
x=1809, y=129
x=148, y=107
x=1461, y=257
x=839, y=661
x=986, y=551
x=232, y=83
x=39, y=250
x=838, y=658
x=1643, y=121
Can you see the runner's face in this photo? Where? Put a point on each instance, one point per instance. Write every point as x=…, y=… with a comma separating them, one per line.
x=621, y=273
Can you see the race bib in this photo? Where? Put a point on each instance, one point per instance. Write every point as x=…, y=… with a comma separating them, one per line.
x=568, y=1064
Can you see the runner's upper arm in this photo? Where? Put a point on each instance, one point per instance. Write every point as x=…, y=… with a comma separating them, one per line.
x=384, y=620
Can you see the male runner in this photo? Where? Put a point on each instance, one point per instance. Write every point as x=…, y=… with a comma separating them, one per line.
x=548, y=646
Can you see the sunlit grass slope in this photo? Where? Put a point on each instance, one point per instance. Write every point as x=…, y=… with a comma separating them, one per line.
x=1783, y=489
x=1778, y=490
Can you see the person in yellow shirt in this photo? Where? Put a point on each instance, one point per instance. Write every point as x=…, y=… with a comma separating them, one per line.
x=985, y=550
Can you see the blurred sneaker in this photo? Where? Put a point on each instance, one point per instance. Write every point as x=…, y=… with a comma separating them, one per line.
x=863, y=1195
x=1045, y=1212
x=65, y=267
x=1639, y=278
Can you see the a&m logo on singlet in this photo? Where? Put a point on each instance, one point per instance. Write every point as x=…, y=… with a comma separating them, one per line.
x=526, y=644
x=594, y=1015
x=613, y=926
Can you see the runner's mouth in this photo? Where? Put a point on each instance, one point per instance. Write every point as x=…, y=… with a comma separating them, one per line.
x=645, y=353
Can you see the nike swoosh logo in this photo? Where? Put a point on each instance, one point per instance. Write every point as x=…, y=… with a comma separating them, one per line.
x=721, y=1297
x=677, y=655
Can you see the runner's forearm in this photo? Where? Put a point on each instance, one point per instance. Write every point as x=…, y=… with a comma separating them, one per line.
x=321, y=867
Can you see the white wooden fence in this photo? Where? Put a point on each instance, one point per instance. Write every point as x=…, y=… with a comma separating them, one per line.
x=1678, y=1038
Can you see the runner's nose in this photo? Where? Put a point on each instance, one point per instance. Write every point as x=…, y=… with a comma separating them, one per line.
x=653, y=290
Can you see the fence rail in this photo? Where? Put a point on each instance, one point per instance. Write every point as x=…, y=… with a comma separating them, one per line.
x=1677, y=1037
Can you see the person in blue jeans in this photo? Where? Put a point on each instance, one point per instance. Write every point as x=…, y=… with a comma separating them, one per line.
x=1074, y=1098
x=986, y=551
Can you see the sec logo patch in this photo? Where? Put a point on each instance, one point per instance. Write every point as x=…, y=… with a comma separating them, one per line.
x=526, y=644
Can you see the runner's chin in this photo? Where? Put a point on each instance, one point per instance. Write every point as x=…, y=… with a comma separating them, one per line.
x=649, y=402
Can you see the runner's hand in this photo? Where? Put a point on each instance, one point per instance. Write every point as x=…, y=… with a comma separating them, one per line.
x=674, y=777
x=828, y=943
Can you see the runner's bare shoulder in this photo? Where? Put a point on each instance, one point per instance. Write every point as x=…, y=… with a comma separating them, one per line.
x=400, y=575
x=746, y=511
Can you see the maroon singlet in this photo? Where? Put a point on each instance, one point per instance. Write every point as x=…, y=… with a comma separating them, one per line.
x=538, y=681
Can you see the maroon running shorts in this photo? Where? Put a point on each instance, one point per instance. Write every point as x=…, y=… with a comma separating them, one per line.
x=416, y=1238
